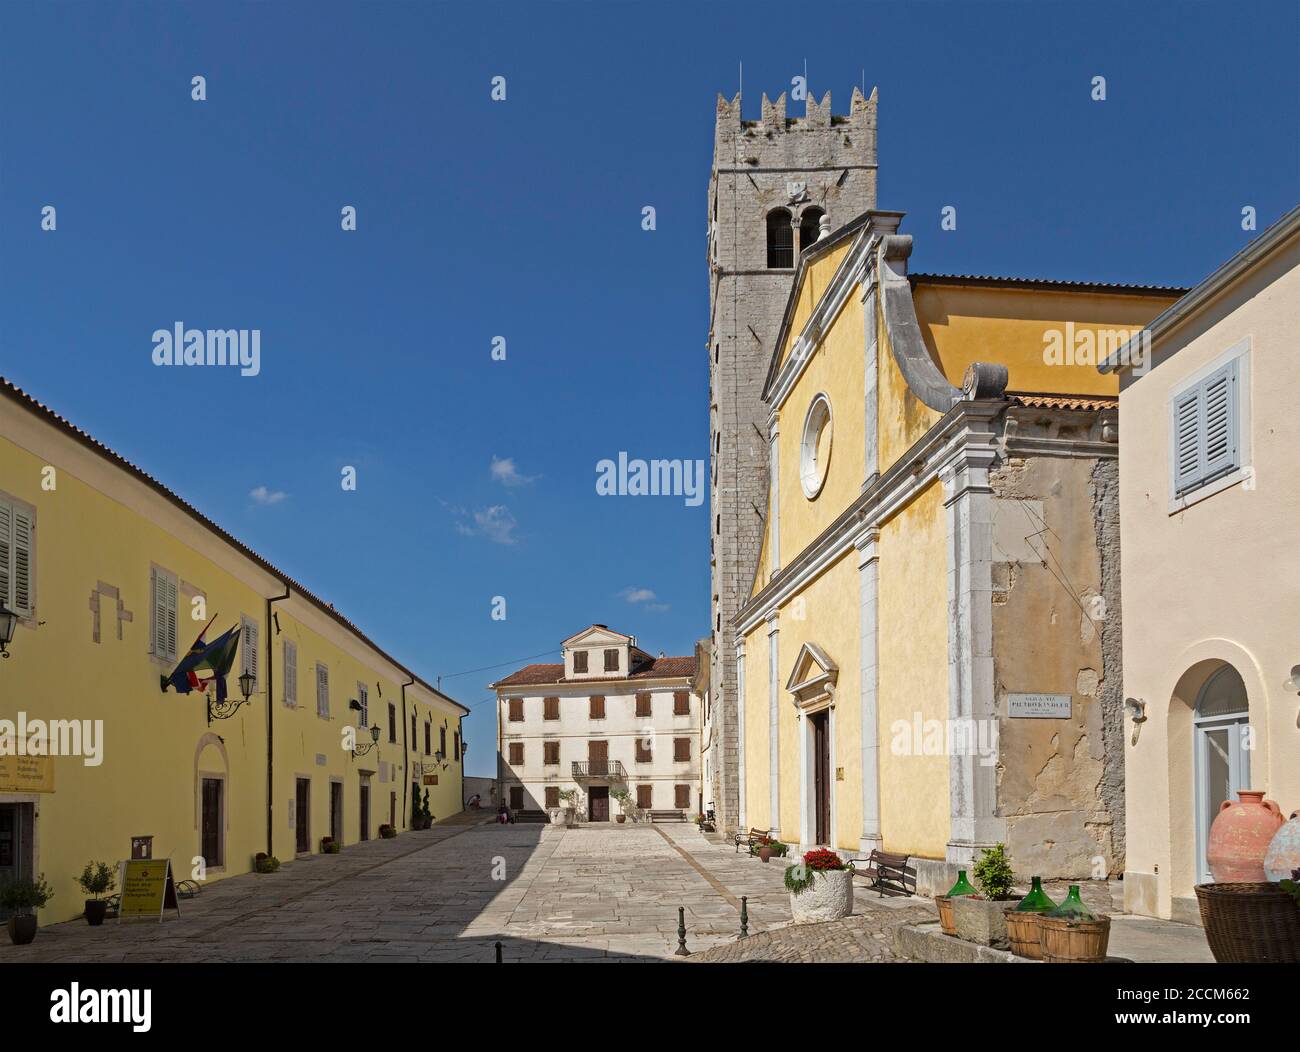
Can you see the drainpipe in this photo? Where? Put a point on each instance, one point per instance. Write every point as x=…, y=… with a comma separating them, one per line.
x=270, y=727
x=406, y=753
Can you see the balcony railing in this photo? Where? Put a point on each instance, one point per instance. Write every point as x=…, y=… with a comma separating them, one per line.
x=611, y=770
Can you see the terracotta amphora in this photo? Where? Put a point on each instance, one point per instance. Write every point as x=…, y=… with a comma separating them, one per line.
x=1283, y=855
x=1240, y=836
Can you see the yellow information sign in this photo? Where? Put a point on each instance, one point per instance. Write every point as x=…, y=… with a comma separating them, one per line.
x=147, y=888
x=26, y=774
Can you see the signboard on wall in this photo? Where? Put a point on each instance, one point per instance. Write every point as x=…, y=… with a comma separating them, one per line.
x=430, y=779
x=26, y=774
x=1039, y=706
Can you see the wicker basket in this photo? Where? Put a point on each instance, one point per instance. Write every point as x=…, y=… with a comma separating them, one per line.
x=1254, y=923
x=1074, y=942
x=945, y=915
x=1022, y=930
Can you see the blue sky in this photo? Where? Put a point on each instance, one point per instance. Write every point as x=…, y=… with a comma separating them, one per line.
x=522, y=219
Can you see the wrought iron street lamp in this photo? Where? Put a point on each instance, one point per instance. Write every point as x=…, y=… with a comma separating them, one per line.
x=223, y=710
x=361, y=750
x=8, y=623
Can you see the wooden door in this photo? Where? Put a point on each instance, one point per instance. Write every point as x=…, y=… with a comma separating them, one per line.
x=598, y=758
x=336, y=812
x=598, y=803
x=302, y=816
x=210, y=828
x=365, y=811
x=822, y=775
x=516, y=798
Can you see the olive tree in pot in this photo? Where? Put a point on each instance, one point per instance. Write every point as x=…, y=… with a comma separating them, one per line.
x=624, y=799
x=982, y=918
x=96, y=880
x=568, y=806
x=23, y=898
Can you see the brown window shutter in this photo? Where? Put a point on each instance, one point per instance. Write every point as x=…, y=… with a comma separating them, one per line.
x=611, y=660
x=645, y=797
x=644, y=754
x=643, y=705
x=681, y=748
x=580, y=661
x=683, y=794
x=598, y=706
x=516, y=710
x=552, y=796
x=516, y=754
x=552, y=750
x=681, y=703
x=551, y=708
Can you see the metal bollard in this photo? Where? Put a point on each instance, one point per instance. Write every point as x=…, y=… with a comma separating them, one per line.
x=681, y=950
x=498, y=953
x=744, y=917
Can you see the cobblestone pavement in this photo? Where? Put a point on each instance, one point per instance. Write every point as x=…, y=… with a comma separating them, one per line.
x=606, y=893
x=864, y=938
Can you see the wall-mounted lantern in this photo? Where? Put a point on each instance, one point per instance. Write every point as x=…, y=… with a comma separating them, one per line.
x=361, y=750
x=8, y=624
x=223, y=710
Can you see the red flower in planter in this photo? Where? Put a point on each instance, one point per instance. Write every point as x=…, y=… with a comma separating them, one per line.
x=820, y=858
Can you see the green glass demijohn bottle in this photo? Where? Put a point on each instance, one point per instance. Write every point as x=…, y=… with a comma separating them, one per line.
x=1073, y=908
x=1037, y=901
x=962, y=888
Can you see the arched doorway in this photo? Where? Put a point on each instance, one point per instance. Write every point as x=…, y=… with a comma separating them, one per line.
x=1220, y=738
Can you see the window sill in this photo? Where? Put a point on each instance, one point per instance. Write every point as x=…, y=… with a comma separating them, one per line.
x=1210, y=489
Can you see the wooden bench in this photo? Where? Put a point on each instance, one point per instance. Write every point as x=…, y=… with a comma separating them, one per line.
x=667, y=816
x=887, y=873
x=530, y=816
x=749, y=839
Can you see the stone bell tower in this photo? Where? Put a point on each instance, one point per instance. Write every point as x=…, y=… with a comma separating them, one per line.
x=773, y=182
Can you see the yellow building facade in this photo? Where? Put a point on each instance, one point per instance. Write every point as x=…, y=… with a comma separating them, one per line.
x=929, y=660
x=113, y=577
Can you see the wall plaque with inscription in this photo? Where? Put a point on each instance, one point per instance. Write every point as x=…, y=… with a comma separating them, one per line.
x=1039, y=706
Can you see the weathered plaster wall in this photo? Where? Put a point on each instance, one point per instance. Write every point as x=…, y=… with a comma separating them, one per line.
x=1055, y=574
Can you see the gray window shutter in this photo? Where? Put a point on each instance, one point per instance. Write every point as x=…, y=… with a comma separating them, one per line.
x=1219, y=400
x=251, y=651
x=6, y=554
x=322, y=691
x=290, y=673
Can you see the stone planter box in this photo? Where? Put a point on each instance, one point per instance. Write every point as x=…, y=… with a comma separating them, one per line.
x=829, y=898
x=981, y=921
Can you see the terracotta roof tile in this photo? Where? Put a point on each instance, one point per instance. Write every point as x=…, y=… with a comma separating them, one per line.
x=1049, y=401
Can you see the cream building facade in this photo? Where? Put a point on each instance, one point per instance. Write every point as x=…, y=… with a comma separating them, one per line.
x=608, y=718
x=1209, y=500
x=929, y=659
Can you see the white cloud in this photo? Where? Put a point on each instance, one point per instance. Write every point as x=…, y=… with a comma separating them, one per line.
x=495, y=523
x=262, y=495
x=503, y=470
x=637, y=595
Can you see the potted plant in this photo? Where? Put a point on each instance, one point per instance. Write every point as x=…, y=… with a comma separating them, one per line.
x=767, y=848
x=23, y=898
x=329, y=846
x=982, y=918
x=568, y=807
x=264, y=863
x=387, y=832
x=821, y=887
x=624, y=799
x=96, y=879
x=421, y=816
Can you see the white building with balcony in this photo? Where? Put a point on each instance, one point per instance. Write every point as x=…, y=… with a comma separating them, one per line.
x=609, y=718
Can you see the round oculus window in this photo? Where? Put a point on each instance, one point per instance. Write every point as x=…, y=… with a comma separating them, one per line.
x=815, y=449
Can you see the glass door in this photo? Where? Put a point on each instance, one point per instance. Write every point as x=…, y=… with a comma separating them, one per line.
x=1223, y=768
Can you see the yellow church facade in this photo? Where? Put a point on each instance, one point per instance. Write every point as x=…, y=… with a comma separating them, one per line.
x=929, y=661
x=113, y=577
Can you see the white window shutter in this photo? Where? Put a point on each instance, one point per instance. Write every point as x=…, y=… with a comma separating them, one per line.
x=1219, y=398
x=363, y=696
x=251, y=650
x=164, y=614
x=322, y=691
x=1187, y=440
